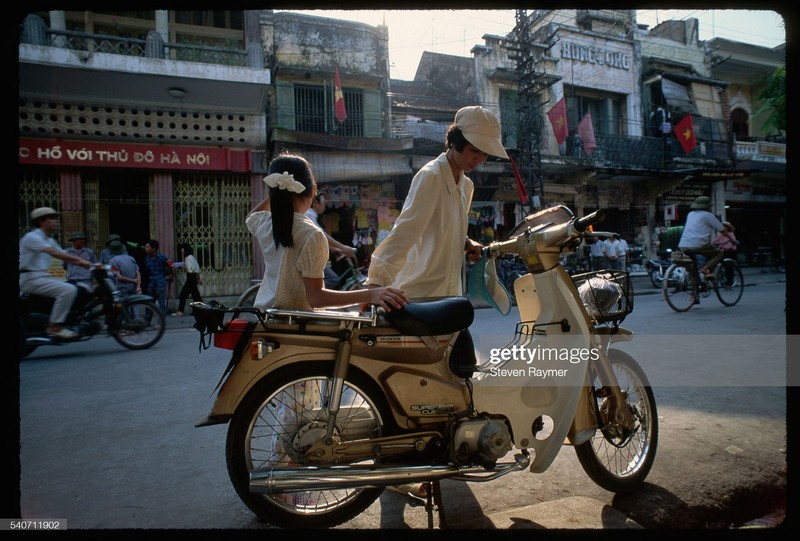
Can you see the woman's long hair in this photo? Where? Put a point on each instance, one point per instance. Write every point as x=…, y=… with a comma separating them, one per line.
x=281, y=201
x=187, y=248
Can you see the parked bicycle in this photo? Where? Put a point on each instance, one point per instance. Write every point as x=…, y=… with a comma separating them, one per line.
x=684, y=286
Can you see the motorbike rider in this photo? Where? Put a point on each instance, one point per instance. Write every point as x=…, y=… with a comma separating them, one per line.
x=701, y=228
x=36, y=250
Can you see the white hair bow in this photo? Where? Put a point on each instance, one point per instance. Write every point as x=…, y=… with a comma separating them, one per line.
x=284, y=181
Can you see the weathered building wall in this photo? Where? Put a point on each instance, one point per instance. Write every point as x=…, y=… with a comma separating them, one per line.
x=320, y=44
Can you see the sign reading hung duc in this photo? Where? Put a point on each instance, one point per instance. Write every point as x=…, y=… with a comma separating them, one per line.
x=595, y=55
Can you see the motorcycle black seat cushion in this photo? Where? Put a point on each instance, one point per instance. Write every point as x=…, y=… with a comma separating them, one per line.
x=431, y=317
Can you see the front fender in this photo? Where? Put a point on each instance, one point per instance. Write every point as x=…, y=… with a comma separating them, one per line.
x=137, y=297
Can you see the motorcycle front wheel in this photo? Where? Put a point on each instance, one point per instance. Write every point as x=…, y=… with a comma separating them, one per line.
x=278, y=420
x=138, y=325
x=617, y=459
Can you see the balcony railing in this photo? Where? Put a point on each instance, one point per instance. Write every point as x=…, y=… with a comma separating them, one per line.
x=36, y=32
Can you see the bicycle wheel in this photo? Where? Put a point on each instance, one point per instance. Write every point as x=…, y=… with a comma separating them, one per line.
x=680, y=288
x=248, y=297
x=274, y=425
x=138, y=325
x=729, y=282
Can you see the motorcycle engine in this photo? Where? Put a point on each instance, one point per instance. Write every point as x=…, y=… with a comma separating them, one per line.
x=482, y=440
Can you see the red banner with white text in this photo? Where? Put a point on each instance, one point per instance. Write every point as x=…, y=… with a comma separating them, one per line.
x=125, y=155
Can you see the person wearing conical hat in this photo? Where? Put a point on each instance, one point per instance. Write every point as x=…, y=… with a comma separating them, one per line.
x=701, y=229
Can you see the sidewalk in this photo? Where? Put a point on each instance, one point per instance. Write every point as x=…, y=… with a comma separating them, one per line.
x=641, y=286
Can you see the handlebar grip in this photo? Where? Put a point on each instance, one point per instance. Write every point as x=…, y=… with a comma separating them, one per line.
x=581, y=224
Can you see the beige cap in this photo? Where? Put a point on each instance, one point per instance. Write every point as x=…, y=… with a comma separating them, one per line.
x=481, y=128
x=43, y=211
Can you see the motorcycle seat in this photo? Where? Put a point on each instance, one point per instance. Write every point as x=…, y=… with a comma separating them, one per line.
x=432, y=317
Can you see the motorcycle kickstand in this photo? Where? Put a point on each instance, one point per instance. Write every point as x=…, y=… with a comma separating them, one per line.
x=430, y=501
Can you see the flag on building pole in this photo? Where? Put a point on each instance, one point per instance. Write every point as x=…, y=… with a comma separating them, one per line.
x=586, y=133
x=339, y=110
x=523, y=193
x=558, y=119
x=684, y=130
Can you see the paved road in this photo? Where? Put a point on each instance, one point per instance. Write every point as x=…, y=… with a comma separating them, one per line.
x=107, y=439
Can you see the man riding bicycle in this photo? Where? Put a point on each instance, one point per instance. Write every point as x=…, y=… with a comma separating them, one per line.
x=701, y=228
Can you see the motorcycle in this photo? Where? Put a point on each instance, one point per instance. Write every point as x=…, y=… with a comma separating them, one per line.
x=135, y=321
x=327, y=408
x=656, y=269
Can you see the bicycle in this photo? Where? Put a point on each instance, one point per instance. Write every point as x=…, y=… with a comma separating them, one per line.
x=683, y=286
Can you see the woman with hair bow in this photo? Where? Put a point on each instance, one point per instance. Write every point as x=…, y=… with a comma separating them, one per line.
x=296, y=250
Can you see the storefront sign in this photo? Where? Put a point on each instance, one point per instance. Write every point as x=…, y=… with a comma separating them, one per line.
x=90, y=154
x=595, y=55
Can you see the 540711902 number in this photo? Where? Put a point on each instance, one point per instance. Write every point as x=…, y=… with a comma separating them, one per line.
x=33, y=524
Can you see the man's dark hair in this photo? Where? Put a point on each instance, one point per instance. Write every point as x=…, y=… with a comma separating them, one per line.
x=455, y=138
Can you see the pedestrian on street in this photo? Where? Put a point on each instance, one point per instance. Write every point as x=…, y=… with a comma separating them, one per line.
x=193, y=278
x=105, y=254
x=611, y=249
x=598, y=255
x=78, y=274
x=159, y=271
x=424, y=252
x=125, y=269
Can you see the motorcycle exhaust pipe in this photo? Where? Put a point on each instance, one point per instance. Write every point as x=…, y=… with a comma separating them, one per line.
x=269, y=481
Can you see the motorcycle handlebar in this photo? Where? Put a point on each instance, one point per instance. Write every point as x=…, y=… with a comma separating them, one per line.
x=581, y=224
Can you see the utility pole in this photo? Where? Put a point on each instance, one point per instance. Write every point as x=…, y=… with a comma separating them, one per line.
x=530, y=82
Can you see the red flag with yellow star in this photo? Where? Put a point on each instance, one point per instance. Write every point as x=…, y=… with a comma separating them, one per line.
x=558, y=119
x=339, y=110
x=684, y=130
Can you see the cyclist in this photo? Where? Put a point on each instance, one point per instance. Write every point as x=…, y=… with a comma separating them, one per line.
x=701, y=228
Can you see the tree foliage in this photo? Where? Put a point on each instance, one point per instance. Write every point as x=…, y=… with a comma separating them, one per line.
x=772, y=99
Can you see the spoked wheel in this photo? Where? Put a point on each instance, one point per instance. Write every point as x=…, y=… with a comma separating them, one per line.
x=278, y=420
x=729, y=282
x=618, y=459
x=680, y=288
x=248, y=298
x=139, y=325
x=656, y=278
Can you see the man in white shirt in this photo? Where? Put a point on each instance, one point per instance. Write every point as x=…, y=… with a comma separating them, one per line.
x=598, y=255
x=701, y=228
x=424, y=252
x=36, y=250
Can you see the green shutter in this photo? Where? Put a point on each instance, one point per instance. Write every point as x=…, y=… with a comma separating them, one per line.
x=284, y=94
x=373, y=117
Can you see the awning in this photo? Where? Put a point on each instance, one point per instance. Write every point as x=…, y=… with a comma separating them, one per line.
x=677, y=96
x=349, y=166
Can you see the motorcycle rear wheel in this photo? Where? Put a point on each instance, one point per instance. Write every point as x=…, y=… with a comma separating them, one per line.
x=619, y=462
x=267, y=431
x=140, y=327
